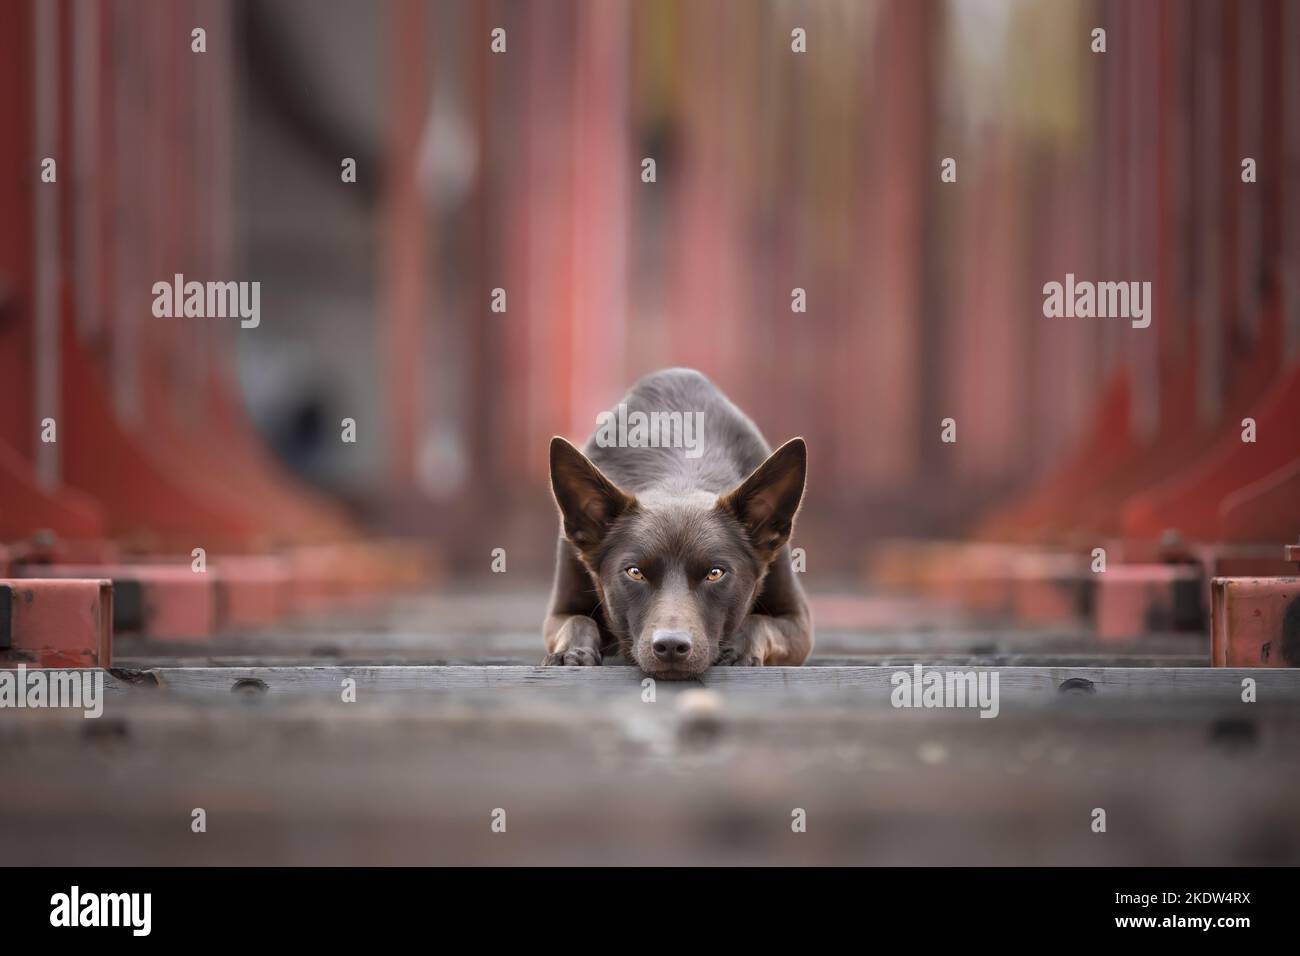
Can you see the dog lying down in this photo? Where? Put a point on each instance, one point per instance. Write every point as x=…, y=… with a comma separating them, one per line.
x=672, y=557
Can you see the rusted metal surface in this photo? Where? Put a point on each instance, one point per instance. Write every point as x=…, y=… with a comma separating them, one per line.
x=1265, y=509
x=160, y=600
x=251, y=592
x=1052, y=588
x=1244, y=561
x=1031, y=586
x=1255, y=622
x=355, y=573
x=1133, y=600
x=45, y=547
x=56, y=623
x=1194, y=500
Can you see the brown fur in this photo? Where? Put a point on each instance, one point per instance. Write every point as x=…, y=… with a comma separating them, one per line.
x=676, y=520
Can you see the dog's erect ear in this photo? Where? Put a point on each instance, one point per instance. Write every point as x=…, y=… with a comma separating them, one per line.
x=766, y=502
x=589, y=502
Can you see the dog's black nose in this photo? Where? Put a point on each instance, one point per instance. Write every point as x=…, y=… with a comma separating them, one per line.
x=671, y=645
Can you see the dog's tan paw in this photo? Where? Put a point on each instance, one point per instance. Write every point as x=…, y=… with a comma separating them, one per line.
x=573, y=657
x=580, y=638
x=738, y=657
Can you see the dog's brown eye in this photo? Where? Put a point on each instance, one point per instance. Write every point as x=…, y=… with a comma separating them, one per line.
x=715, y=574
x=635, y=574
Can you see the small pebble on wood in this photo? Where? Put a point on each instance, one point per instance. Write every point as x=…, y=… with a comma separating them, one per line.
x=698, y=702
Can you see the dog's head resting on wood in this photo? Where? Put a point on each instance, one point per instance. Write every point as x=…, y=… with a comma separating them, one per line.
x=677, y=572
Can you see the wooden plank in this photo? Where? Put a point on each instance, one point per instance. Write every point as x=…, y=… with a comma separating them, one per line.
x=358, y=657
x=1018, y=686
x=409, y=780
x=438, y=643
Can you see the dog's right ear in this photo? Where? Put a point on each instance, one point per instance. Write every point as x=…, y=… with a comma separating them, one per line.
x=589, y=502
x=767, y=501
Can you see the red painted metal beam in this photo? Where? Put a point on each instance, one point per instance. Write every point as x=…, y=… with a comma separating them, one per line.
x=46, y=623
x=151, y=495
x=1255, y=622
x=1106, y=446
x=251, y=592
x=25, y=507
x=26, y=504
x=1190, y=503
x=1268, y=508
x=160, y=601
x=1137, y=599
x=406, y=234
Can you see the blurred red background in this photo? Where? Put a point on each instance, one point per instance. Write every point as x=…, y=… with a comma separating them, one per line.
x=521, y=170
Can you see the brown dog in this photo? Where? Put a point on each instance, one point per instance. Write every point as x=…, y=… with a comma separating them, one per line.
x=673, y=549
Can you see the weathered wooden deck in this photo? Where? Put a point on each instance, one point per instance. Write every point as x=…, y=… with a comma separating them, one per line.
x=452, y=722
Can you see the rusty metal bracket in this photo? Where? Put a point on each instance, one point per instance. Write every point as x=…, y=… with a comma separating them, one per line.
x=58, y=623
x=1256, y=622
x=6, y=621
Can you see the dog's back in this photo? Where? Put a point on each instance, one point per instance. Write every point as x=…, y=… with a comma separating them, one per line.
x=730, y=445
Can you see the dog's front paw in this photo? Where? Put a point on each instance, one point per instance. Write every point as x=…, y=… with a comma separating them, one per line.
x=573, y=657
x=749, y=646
x=738, y=656
x=577, y=644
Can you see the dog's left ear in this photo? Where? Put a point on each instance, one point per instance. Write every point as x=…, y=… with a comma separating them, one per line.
x=767, y=501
